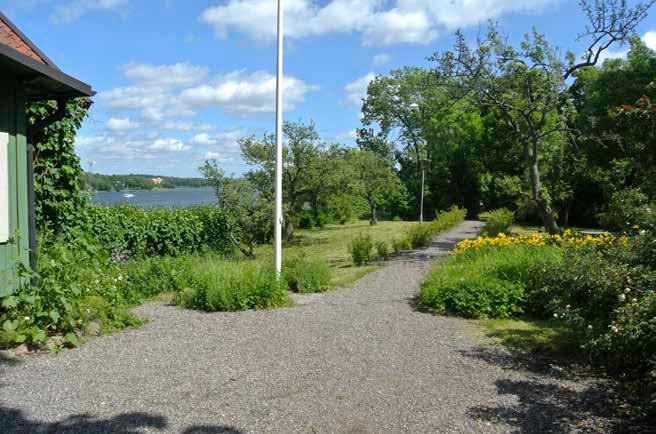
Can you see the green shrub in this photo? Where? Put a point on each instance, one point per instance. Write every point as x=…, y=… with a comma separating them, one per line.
x=498, y=222
x=447, y=219
x=61, y=296
x=148, y=277
x=361, y=248
x=629, y=211
x=383, y=250
x=629, y=344
x=487, y=282
x=132, y=231
x=232, y=285
x=604, y=294
x=305, y=276
x=400, y=244
x=419, y=234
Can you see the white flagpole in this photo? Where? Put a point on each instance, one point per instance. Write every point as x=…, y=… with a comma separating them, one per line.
x=277, y=231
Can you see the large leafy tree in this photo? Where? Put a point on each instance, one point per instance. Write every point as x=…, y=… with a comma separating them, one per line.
x=301, y=160
x=525, y=85
x=616, y=138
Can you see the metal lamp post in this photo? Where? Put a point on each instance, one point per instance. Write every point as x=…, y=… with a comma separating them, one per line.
x=277, y=226
x=424, y=164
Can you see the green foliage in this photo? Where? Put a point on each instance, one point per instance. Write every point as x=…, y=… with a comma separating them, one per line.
x=99, y=182
x=306, y=275
x=57, y=169
x=75, y=283
x=132, y=231
x=606, y=295
x=629, y=211
x=361, y=249
x=374, y=180
x=148, y=277
x=419, y=235
x=485, y=283
x=383, y=250
x=400, y=244
x=498, y=222
x=247, y=206
x=232, y=285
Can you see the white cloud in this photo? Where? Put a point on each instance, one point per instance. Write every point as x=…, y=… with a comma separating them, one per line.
x=211, y=155
x=380, y=23
x=650, y=39
x=122, y=124
x=382, y=59
x=165, y=76
x=610, y=54
x=241, y=92
x=72, y=10
x=357, y=89
x=164, y=93
x=204, y=139
x=169, y=145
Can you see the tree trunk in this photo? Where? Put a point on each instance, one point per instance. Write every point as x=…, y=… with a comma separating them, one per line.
x=550, y=224
x=314, y=203
x=372, y=207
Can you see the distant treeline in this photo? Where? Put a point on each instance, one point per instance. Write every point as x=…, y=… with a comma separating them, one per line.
x=98, y=182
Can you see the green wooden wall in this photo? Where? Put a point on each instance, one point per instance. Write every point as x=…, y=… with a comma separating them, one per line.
x=13, y=121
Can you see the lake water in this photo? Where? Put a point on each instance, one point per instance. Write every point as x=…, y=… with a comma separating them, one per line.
x=174, y=198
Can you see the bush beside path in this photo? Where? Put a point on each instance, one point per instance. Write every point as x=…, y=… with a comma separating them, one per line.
x=361, y=359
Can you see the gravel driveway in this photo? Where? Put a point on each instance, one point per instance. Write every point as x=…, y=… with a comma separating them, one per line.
x=358, y=360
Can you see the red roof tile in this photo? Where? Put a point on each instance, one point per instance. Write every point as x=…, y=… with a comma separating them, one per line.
x=10, y=38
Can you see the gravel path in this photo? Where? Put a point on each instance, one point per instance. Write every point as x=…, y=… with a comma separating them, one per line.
x=359, y=360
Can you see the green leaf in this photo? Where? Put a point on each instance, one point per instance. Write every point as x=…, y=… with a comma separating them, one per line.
x=10, y=302
x=9, y=325
x=72, y=339
x=54, y=315
x=29, y=299
x=38, y=335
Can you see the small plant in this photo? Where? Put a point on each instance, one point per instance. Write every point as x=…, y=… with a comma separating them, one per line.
x=305, y=276
x=401, y=244
x=361, y=248
x=498, y=222
x=383, y=250
x=420, y=234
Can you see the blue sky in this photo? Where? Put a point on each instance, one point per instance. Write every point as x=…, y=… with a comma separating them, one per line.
x=179, y=81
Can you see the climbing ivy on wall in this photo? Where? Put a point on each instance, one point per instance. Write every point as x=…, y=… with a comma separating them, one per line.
x=57, y=169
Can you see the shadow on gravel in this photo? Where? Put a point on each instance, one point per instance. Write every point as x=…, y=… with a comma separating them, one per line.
x=13, y=421
x=543, y=404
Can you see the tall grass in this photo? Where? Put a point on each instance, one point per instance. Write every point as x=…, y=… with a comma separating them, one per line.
x=232, y=285
x=307, y=275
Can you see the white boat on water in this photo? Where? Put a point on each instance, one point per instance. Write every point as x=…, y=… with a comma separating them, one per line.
x=128, y=195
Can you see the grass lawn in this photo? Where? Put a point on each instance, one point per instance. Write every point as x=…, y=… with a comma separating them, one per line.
x=330, y=243
x=549, y=338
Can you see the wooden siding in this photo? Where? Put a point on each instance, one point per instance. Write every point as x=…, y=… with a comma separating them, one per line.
x=13, y=121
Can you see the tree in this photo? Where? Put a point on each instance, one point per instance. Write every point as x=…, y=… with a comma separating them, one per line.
x=375, y=180
x=527, y=85
x=241, y=199
x=300, y=155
